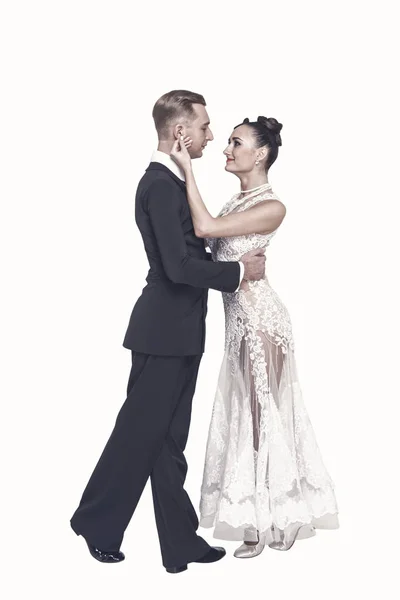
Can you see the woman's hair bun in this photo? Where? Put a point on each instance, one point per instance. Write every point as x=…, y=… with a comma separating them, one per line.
x=273, y=127
x=271, y=124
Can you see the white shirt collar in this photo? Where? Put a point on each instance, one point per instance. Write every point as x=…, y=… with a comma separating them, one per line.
x=167, y=161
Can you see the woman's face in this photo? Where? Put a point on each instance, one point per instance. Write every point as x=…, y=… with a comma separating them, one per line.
x=241, y=153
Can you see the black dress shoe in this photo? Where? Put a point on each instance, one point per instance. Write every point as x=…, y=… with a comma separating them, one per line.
x=106, y=557
x=215, y=553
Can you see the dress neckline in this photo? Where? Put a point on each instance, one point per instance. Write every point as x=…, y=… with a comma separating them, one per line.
x=259, y=187
x=236, y=202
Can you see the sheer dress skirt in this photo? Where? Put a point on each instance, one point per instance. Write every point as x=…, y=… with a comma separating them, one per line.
x=263, y=471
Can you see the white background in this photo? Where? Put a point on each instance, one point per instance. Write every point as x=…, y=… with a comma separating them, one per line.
x=79, y=82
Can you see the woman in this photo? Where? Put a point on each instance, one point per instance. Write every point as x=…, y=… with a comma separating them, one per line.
x=264, y=480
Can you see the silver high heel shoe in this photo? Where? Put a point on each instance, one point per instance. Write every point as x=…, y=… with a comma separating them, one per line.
x=249, y=550
x=288, y=540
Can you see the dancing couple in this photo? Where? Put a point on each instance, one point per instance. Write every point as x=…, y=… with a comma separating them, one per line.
x=264, y=481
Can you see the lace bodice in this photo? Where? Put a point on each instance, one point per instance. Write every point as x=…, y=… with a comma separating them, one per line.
x=256, y=306
x=233, y=248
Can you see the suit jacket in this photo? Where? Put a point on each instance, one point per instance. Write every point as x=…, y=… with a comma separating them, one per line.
x=169, y=316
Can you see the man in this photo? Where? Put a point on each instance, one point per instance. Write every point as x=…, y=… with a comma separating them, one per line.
x=166, y=335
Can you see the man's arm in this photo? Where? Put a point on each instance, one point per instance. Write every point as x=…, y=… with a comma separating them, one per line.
x=209, y=257
x=164, y=209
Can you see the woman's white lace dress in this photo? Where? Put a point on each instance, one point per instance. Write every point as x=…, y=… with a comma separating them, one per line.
x=263, y=469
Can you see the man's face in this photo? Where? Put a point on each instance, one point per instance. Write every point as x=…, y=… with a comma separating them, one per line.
x=199, y=131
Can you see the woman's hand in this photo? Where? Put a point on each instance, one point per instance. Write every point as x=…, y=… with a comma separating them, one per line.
x=180, y=153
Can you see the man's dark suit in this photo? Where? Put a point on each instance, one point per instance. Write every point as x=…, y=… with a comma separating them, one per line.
x=166, y=334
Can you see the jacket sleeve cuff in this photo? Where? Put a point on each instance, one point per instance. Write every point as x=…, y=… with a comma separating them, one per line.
x=241, y=265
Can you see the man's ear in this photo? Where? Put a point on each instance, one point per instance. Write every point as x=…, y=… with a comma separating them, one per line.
x=178, y=131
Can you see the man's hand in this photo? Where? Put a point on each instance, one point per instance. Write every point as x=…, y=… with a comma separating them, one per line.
x=254, y=264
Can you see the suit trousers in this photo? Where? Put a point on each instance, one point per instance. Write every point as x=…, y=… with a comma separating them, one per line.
x=148, y=440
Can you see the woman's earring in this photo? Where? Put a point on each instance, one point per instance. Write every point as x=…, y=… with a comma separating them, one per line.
x=257, y=162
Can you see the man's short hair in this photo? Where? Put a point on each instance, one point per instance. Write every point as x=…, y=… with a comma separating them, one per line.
x=173, y=106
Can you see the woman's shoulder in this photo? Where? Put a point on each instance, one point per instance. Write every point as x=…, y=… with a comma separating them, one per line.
x=268, y=199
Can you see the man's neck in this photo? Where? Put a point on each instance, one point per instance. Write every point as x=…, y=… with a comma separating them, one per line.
x=165, y=146
x=165, y=159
